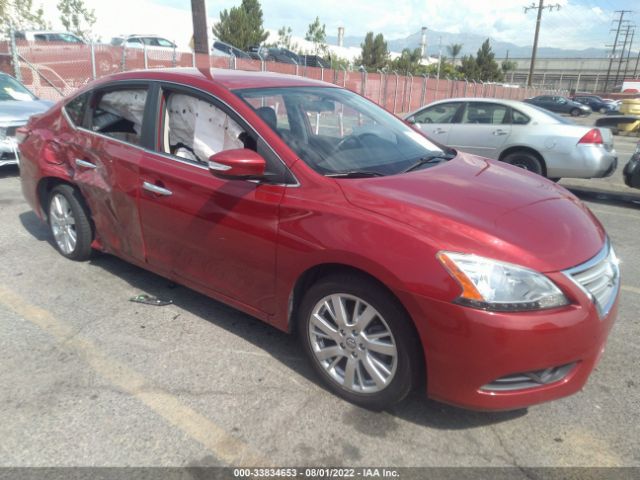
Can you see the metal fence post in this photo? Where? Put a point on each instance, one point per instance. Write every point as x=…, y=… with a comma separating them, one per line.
x=395, y=93
x=193, y=59
x=144, y=53
x=124, y=58
x=173, y=58
x=423, y=97
x=363, y=86
x=435, y=97
x=322, y=74
x=92, y=46
x=466, y=85
x=381, y=73
x=344, y=78
x=595, y=88
x=475, y=84
x=14, y=55
x=410, y=77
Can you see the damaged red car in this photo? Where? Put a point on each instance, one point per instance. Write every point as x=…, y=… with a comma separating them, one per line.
x=400, y=263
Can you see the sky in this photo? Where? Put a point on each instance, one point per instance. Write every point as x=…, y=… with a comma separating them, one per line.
x=577, y=24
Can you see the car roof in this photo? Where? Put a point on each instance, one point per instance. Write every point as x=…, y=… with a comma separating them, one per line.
x=229, y=79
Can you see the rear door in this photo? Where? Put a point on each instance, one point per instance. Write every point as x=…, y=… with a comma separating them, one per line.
x=108, y=151
x=436, y=120
x=220, y=234
x=483, y=129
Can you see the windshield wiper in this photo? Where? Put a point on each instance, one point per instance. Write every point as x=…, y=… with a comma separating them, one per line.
x=429, y=160
x=355, y=174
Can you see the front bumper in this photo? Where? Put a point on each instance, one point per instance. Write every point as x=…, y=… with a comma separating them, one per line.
x=468, y=350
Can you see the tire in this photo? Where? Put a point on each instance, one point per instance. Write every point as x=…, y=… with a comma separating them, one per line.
x=69, y=220
x=369, y=385
x=525, y=160
x=604, y=110
x=575, y=112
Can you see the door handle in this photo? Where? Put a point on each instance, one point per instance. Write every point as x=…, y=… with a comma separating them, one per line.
x=500, y=132
x=156, y=189
x=439, y=131
x=85, y=164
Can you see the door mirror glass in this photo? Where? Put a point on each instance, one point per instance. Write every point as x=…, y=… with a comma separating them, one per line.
x=237, y=164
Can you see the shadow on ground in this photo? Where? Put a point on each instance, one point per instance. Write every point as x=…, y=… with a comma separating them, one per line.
x=281, y=346
x=9, y=171
x=607, y=197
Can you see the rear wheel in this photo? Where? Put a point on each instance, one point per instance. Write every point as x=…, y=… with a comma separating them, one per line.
x=575, y=112
x=69, y=223
x=603, y=110
x=359, y=340
x=525, y=160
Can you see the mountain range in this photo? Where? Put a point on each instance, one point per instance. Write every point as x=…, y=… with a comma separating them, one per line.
x=470, y=45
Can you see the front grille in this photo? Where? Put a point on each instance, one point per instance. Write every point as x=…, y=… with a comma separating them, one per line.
x=599, y=278
x=535, y=378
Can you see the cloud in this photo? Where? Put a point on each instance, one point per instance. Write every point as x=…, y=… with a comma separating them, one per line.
x=575, y=25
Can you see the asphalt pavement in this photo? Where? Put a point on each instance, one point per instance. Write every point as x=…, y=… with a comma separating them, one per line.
x=89, y=378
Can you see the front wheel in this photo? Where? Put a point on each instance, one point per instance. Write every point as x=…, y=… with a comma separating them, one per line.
x=69, y=223
x=604, y=110
x=359, y=340
x=575, y=112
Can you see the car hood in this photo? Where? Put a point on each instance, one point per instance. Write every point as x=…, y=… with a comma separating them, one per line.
x=20, y=111
x=475, y=205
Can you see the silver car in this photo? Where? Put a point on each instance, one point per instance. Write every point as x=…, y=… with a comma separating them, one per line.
x=17, y=104
x=520, y=134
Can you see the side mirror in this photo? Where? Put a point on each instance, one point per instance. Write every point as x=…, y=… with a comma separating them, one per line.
x=411, y=120
x=237, y=164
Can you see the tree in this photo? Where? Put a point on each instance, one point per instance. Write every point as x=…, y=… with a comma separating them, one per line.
x=241, y=26
x=284, y=38
x=76, y=17
x=20, y=14
x=318, y=35
x=489, y=69
x=454, y=50
x=408, y=62
x=508, y=65
x=375, y=52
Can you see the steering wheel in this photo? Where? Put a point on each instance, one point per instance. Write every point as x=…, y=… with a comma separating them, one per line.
x=354, y=138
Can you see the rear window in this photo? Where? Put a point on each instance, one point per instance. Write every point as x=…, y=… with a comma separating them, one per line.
x=119, y=114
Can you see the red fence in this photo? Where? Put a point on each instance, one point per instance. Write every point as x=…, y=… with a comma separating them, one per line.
x=55, y=70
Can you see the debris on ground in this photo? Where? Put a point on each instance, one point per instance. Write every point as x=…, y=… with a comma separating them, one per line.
x=150, y=300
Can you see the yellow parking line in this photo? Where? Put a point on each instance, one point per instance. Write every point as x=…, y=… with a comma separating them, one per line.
x=630, y=289
x=225, y=447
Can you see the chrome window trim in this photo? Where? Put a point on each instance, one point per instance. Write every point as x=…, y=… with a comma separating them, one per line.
x=602, y=255
x=66, y=116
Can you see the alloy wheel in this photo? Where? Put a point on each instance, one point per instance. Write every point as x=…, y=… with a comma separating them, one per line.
x=353, y=343
x=63, y=223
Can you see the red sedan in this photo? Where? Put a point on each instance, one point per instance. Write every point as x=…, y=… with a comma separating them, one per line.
x=398, y=262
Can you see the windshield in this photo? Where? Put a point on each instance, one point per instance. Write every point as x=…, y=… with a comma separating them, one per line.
x=11, y=89
x=336, y=131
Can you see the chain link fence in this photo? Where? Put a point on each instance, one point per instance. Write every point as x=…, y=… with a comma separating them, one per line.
x=53, y=71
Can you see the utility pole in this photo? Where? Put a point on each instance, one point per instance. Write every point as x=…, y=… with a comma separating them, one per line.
x=439, y=56
x=626, y=65
x=541, y=6
x=200, y=41
x=615, y=45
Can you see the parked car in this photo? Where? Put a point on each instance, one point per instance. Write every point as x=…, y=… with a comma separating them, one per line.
x=152, y=42
x=65, y=54
x=17, y=104
x=314, y=61
x=520, y=134
x=282, y=55
x=631, y=171
x=308, y=206
x=40, y=36
x=597, y=104
x=224, y=49
x=560, y=105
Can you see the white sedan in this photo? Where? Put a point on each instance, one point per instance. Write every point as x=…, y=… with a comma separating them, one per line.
x=519, y=134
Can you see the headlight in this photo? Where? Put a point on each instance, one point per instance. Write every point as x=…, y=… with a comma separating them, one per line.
x=493, y=285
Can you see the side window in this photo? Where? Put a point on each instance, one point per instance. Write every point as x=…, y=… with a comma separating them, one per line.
x=519, y=118
x=195, y=129
x=75, y=108
x=272, y=109
x=164, y=43
x=442, y=113
x=485, y=113
x=119, y=113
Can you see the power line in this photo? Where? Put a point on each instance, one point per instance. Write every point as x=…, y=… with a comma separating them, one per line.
x=541, y=6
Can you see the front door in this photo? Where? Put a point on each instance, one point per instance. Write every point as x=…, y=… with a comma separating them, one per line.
x=483, y=129
x=436, y=121
x=220, y=234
